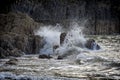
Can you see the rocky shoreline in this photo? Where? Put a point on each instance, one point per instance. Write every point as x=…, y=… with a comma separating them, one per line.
x=98, y=65
x=17, y=35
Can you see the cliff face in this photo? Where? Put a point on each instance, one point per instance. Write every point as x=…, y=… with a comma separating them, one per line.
x=101, y=16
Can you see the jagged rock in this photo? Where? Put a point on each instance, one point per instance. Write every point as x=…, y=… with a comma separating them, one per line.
x=62, y=37
x=55, y=46
x=6, y=53
x=17, y=35
x=16, y=45
x=3, y=53
x=45, y=56
x=12, y=61
x=91, y=44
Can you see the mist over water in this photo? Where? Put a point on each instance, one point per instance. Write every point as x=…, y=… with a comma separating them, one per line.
x=51, y=36
x=78, y=61
x=74, y=40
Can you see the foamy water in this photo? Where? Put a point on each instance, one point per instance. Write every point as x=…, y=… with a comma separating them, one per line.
x=51, y=36
x=74, y=39
x=79, y=62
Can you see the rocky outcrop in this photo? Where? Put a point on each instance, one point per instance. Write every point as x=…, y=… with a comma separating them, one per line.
x=17, y=35
x=62, y=38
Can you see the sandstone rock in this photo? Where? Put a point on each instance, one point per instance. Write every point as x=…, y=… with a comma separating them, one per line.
x=16, y=45
x=45, y=56
x=91, y=44
x=55, y=46
x=62, y=37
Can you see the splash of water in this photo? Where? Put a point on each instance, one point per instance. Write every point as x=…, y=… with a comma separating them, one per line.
x=51, y=36
x=74, y=40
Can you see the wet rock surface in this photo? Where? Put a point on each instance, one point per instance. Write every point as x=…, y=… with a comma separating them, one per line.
x=17, y=35
x=91, y=44
x=102, y=64
x=12, y=61
x=45, y=56
x=62, y=37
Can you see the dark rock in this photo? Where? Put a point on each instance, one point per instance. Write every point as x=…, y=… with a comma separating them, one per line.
x=25, y=78
x=6, y=53
x=3, y=53
x=12, y=61
x=17, y=35
x=6, y=41
x=16, y=45
x=62, y=38
x=16, y=53
x=55, y=47
x=45, y=56
x=59, y=57
x=34, y=44
x=91, y=44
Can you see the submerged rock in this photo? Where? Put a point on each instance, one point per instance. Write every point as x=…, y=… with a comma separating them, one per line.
x=17, y=35
x=12, y=61
x=91, y=44
x=60, y=57
x=45, y=56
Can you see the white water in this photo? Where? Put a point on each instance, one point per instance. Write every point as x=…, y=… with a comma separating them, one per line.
x=51, y=36
x=100, y=64
x=74, y=40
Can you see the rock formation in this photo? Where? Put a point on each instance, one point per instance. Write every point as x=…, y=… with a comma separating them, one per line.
x=92, y=45
x=17, y=35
